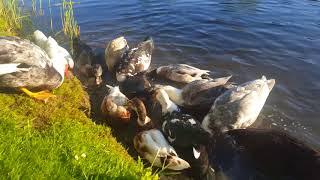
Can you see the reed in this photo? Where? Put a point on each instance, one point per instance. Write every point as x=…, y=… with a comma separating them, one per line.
x=10, y=17
x=69, y=24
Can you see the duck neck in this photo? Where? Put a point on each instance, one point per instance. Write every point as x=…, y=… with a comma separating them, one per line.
x=59, y=65
x=174, y=94
x=166, y=104
x=138, y=106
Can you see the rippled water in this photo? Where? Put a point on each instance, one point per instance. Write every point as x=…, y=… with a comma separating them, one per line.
x=245, y=38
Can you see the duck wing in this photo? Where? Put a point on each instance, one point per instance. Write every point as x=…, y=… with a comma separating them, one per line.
x=136, y=60
x=181, y=73
x=204, y=92
x=21, y=51
x=239, y=107
x=114, y=51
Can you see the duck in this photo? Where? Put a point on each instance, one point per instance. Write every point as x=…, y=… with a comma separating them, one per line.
x=114, y=51
x=170, y=111
x=118, y=106
x=26, y=66
x=238, y=107
x=85, y=69
x=136, y=86
x=115, y=105
x=51, y=47
x=198, y=94
x=251, y=153
x=181, y=73
x=152, y=145
x=135, y=60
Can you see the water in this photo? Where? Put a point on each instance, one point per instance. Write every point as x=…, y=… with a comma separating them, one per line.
x=245, y=38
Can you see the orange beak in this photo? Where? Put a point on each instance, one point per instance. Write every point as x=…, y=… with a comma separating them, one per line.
x=66, y=72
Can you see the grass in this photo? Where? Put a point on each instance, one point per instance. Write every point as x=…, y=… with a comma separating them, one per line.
x=57, y=140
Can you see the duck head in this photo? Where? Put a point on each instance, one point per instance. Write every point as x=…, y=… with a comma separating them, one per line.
x=97, y=73
x=114, y=52
x=57, y=53
x=153, y=146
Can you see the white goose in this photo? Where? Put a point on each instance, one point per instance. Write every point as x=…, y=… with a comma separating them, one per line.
x=238, y=107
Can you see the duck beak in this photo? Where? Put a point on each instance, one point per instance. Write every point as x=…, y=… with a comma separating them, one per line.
x=66, y=71
x=196, y=153
x=175, y=163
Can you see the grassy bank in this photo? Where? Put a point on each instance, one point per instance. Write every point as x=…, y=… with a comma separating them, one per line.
x=57, y=140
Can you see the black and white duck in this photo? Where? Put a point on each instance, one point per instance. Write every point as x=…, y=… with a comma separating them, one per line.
x=150, y=143
x=135, y=60
x=24, y=66
x=199, y=94
x=238, y=107
x=181, y=73
x=245, y=153
x=170, y=111
x=153, y=146
x=114, y=51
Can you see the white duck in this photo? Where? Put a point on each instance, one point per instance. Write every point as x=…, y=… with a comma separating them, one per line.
x=24, y=65
x=52, y=48
x=198, y=94
x=238, y=107
x=182, y=73
x=153, y=146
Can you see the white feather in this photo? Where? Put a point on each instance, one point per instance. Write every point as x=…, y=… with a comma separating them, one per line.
x=10, y=68
x=174, y=94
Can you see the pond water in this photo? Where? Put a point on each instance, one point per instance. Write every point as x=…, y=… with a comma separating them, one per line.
x=245, y=38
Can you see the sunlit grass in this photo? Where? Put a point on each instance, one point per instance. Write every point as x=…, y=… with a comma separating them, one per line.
x=56, y=140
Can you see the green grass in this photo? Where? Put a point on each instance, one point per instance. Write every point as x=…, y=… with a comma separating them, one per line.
x=57, y=140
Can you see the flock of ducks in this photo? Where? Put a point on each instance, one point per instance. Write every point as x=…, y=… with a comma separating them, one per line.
x=201, y=126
